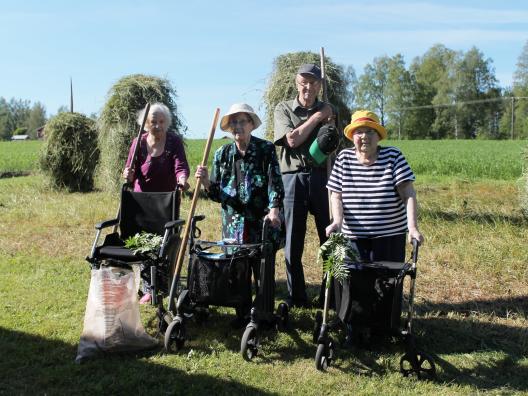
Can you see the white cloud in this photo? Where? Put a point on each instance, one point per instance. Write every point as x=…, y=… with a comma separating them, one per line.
x=393, y=13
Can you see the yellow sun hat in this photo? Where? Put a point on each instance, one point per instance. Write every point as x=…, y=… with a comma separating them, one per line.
x=365, y=118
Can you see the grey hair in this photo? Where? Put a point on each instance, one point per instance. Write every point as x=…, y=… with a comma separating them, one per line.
x=156, y=108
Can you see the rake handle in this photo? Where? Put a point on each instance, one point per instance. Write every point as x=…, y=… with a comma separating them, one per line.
x=329, y=159
x=134, y=156
x=185, y=239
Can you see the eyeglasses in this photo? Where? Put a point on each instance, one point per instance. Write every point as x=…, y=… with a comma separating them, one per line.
x=239, y=122
x=305, y=83
x=369, y=132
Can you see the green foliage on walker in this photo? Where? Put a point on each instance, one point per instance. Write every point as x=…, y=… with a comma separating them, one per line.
x=144, y=243
x=333, y=253
x=281, y=85
x=117, y=123
x=70, y=154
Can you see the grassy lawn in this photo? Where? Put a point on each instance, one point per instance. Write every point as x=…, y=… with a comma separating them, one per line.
x=471, y=300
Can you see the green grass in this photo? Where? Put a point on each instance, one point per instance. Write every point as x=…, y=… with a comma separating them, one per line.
x=194, y=149
x=471, y=304
x=466, y=159
x=469, y=159
x=19, y=157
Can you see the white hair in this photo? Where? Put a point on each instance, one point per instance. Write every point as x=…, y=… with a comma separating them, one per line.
x=156, y=108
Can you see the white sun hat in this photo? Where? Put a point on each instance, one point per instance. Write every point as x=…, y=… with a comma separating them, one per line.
x=239, y=108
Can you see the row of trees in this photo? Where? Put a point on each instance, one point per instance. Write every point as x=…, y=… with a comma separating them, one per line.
x=444, y=94
x=19, y=117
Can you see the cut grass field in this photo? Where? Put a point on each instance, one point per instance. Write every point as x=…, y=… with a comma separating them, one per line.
x=471, y=300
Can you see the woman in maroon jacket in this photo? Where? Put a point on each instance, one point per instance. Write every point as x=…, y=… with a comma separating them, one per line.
x=161, y=164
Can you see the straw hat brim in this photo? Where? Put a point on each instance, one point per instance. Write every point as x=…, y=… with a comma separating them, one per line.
x=350, y=128
x=224, y=122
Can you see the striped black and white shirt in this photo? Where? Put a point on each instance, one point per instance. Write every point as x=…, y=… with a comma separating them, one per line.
x=371, y=204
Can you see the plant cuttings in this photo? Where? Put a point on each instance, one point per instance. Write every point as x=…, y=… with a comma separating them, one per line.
x=144, y=243
x=333, y=254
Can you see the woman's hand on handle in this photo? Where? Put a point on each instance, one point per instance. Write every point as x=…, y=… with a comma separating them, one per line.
x=273, y=217
x=182, y=182
x=334, y=227
x=128, y=174
x=203, y=175
x=414, y=233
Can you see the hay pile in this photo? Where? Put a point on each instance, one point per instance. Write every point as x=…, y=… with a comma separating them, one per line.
x=117, y=123
x=281, y=85
x=70, y=154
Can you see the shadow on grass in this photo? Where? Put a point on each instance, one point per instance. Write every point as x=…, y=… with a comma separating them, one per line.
x=8, y=174
x=481, y=218
x=36, y=365
x=505, y=308
x=493, y=351
x=464, y=332
x=492, y=355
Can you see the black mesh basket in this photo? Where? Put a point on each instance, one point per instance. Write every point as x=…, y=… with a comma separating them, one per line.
x=372, y=296
x=220, y=279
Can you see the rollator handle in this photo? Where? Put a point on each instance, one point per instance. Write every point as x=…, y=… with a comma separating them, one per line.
x=265, y=226
x=415, y=245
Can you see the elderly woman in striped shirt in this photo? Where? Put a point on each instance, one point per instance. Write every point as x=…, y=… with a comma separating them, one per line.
x=372, y=195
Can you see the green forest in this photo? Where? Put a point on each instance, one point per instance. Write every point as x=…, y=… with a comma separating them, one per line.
x=443, y=94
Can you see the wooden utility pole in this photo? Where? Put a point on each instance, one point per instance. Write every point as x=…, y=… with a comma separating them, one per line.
x=512, y=115
x=71, y=95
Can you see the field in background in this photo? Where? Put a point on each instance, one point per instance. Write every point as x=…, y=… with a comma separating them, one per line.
x=19, y=157
x=471, y=301
x=471, y=159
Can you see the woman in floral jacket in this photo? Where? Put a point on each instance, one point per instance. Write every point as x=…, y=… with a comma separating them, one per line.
x=246, y=179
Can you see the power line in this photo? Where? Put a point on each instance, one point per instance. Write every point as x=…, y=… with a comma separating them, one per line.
x=463, y=103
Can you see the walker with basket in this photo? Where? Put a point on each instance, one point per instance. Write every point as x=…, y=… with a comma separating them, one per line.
x=220, y=274
x=371, y=296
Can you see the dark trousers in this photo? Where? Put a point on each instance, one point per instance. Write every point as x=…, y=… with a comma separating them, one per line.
x=390, y=248
x=303, y=193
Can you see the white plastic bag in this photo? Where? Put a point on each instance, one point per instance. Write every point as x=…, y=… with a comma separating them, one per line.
x=112, y=322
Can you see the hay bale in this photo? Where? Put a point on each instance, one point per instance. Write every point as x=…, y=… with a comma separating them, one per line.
x=70, y=154
x=281, y=85
x=117, y=123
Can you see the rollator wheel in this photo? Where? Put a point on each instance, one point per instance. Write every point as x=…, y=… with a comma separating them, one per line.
x=249, y=343
x=317, y=326
x=175, y=335
x=419, y=364
x=324, y=355
x=284, y=316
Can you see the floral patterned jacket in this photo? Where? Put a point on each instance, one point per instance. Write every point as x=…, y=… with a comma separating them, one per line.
x=247, y=187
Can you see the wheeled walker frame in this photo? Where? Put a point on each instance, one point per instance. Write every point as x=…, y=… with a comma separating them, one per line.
x=224, y=279
x=413, y=361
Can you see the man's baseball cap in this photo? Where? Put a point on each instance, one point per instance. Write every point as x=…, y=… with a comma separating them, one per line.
x=310, y=69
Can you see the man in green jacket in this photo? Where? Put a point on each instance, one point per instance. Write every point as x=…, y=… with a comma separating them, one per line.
x=296, y=123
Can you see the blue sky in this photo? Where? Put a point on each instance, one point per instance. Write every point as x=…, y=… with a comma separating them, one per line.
x=221, y=52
